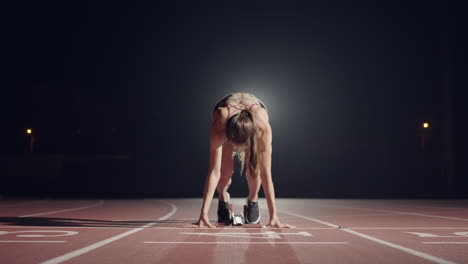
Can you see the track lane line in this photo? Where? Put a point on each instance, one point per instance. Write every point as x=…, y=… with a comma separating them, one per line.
x=230, y=228
x=260, y=243
x=101, y=202
x=411, y=228
x=31, y=241
x=177, y=228
x=447, y=242
x=404, y=213
x=380, y=241
x=104, y=242
x=418, y=214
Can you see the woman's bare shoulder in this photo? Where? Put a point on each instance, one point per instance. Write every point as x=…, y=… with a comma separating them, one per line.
x=261, y=118
x=219, y=118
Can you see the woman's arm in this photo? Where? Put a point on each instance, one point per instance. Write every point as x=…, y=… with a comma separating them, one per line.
x=265, y=149
x=214, y=171
x=217, y=137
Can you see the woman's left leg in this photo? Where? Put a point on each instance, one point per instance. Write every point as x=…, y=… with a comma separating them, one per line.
x=253, y=182
x=251, y=210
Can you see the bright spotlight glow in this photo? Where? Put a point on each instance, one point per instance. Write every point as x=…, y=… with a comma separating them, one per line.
x=28, y=131
x=426, y=125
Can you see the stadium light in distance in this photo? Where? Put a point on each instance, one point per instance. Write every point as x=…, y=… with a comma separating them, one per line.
x=29, y=131
x=426, y=125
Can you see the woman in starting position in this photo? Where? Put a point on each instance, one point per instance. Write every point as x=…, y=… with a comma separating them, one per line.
x=240, y=127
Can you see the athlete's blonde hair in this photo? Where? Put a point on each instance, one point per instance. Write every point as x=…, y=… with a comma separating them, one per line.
x=241, y=130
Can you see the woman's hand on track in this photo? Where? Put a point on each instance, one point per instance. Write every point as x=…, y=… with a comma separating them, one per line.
x=275, y=223
x=203, y=221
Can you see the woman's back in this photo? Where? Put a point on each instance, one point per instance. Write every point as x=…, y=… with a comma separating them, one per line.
x=237, y=102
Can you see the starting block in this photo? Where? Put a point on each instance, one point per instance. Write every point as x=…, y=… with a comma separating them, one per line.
x=238, y=219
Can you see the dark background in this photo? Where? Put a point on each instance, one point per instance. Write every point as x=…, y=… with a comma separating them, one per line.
x=120, y=96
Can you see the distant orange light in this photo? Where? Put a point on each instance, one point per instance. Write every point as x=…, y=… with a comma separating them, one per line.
x=426, y=125
x=29, y=131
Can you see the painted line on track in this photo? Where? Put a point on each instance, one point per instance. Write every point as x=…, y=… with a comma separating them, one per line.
x=241, y=228
x=428, y=215
x=31, y=241
x=445, y=208
x=396, y=228
x=225, y=242
x=62, y=227
x=380, y=241
x=447, y=211
x=405, y=213
x=233, y=228
x=447, y=242
x=104, y=242
x=101, y=202
x=380, y=214
x=175, y=228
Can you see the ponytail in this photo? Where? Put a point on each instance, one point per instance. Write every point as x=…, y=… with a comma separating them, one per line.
x=255, y=157
x=241, y=129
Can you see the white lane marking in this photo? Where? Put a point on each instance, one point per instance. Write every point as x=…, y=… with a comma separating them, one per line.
x=445, y=242
x=402, y=248
x=250, y=228
x=104, y=242
x=225, y=242
x=30, y=241
x=60, y=233
x=380, y=241
x=410, y=207
x=65, y=227
x=23, y=203
x=433, y=216
x=447, y=211
x=66, y=210
x=377, y=228
x=311, y=219
x=265, y=235
x=457, y=234
x=405, y=213
x=245, y=228
x=169, y=228
x=445, y=208
x=379, y=214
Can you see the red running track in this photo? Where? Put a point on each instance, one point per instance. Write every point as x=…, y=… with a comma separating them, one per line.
x=152, y=231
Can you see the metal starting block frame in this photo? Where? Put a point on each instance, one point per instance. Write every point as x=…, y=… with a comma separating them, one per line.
x=238, y=219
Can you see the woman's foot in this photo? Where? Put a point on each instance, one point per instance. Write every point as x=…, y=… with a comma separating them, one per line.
x=251, y=212
x=224, y=211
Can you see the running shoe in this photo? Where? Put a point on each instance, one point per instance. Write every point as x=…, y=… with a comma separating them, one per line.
x=251, y=212
x=224, y=212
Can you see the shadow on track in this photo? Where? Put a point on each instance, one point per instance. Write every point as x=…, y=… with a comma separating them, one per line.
x=75, y=222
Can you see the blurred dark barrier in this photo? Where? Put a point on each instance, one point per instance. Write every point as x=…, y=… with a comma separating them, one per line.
x=29, y=174
x=61, y=175
x=146, y=176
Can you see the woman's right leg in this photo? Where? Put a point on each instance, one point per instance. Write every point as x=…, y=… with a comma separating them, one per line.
x=227, y=169
x=227, y=166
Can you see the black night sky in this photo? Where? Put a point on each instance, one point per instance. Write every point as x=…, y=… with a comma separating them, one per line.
x=120, y=95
